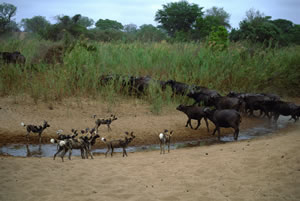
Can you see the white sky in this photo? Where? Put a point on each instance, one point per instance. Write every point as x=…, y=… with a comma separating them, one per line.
x=141, y=12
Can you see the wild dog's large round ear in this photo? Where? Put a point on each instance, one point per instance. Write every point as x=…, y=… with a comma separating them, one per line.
x=166, y=130
x=126, y=133
x=92, y=130
x=171, y=132
x=206, y=109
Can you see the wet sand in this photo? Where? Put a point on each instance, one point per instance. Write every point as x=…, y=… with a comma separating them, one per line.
x=267, y=168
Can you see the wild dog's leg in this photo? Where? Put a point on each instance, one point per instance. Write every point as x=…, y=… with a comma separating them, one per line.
x=27, y=136
x=112, y=150
x=161, y=147
x=108, y=149
x=108, y=127
x=124, y=152
x=70, y=153
x=64, y=153
x=58, y=151
x=40, y=137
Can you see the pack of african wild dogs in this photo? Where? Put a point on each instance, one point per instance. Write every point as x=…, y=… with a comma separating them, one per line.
x=222, y=111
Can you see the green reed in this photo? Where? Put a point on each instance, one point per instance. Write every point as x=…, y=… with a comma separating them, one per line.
x=241, y=67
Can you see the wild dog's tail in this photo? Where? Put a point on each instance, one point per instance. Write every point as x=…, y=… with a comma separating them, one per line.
x=22, y=124
x=103, y=139
x=62, y=143
x=53, y=141
x=59, y=142
x=161, y=136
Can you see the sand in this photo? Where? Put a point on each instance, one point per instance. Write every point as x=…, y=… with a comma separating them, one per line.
x=265, y=168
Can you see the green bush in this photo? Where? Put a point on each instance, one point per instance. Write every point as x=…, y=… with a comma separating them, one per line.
x=218, y=39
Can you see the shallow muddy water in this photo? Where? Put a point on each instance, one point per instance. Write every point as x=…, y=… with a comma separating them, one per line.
x=48, y=150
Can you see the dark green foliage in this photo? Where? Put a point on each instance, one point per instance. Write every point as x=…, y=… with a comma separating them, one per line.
x=66, y=28
x=149, y=33
x=106, y=35
x=259, y=28
x=217, y=17
x=178, y=17
x=37, y=24
x=130, y=28
x=85, y=21
x=109, y=25
x=7, y=11
x=218, y=39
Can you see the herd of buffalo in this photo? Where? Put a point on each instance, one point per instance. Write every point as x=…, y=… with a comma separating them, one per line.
x=223, y=111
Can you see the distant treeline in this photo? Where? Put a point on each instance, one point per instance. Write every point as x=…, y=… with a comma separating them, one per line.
x=196, y=25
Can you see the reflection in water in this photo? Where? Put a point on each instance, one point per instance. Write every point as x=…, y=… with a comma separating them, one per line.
x=35, y=152
x=48, y=150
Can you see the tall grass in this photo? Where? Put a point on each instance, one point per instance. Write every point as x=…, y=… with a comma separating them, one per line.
x=275, y=70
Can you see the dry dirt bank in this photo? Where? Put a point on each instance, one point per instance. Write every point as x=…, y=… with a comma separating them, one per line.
x=132, y=116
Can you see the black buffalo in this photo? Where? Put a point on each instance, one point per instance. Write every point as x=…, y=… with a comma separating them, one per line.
x=228, y=118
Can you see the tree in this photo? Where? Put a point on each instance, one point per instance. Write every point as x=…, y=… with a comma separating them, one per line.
x=109, y=24
x=66, y=28
x=290, y=32
x=284, y=25
x=256, y=27
x=178, y=17
x=7, y=11
x=218, y=39
x=37, y=24
x=150, y=33
x=130, y=28
x=294, y=34
x=85, y=22
x=217, y=17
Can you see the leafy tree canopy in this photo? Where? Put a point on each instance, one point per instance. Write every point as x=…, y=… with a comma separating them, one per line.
x=37, y=24
x=109, y=24
x=256, y=27
x=85, y=22
x=178, y=16
x=150, y=33
x=130, y=28
x=7, y=11
x=217, y=17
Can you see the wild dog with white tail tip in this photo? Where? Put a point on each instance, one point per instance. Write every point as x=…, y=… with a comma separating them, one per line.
x=165, y=138
x=122, y=143
x=35, y=129
x=108, y=121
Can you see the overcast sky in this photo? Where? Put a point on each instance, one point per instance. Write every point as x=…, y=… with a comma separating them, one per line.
x=143, y=11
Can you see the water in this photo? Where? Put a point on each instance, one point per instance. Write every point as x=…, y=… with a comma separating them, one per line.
x=48, y=150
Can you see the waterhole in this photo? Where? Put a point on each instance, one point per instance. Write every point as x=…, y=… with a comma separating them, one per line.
x=48, y=150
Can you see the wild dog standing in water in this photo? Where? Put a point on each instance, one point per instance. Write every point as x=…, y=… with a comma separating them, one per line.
x=35, y=129
x=165, y=138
